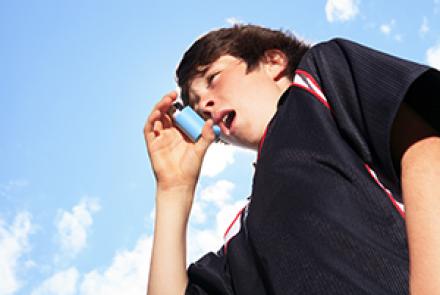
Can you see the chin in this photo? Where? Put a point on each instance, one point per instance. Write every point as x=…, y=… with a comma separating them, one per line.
x=246, y=143
x=241, y=144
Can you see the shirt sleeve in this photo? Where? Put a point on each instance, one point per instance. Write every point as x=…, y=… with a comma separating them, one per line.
x=209, y=275
x=365, y=89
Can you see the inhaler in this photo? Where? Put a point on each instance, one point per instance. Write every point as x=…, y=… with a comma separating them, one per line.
x=189, y=122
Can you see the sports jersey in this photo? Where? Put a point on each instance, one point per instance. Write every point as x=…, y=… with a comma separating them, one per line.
x=326, y=214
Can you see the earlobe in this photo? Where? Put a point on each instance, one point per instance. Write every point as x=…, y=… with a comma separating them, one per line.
x=276, y=63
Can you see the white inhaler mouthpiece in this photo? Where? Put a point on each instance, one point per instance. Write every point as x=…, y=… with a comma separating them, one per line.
x=189, y=122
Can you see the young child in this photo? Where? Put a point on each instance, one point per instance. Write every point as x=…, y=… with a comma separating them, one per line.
x=346, y=191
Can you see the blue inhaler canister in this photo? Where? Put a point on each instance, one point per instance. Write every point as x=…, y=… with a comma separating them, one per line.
x=189, y=122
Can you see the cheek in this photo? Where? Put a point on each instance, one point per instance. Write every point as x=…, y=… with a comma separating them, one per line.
x=229, y=90
x=244, y=90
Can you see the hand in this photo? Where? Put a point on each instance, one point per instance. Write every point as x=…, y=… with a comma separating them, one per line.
x=175, y=159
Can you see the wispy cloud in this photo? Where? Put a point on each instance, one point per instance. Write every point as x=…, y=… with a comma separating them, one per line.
x=218, y=194
x=210, y=238
x=13, y=244
x=12, y=185
x=387, y=28
x=127, y=273
x=398, y=37
x=341, y=10
x=73, y=226
x=433, y=56
x=424, y=27
x=218, y=158
x=234, y=21
x=198, y=214
x=213, y=210
x=61, y=283
x=227, y=213
x=219, y=206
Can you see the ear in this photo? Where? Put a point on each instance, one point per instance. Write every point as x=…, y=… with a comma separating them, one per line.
x=275, y=63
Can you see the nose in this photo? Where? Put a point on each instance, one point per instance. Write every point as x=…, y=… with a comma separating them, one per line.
x=207, y=108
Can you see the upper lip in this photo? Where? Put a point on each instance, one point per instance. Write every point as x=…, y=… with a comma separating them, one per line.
x=218, y=116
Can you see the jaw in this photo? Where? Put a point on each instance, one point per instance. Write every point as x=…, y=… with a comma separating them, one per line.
x=241, y=138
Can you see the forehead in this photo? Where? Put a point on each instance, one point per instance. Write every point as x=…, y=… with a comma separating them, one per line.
x=199, y=83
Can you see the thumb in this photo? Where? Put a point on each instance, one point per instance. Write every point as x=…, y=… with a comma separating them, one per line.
x=208, y=136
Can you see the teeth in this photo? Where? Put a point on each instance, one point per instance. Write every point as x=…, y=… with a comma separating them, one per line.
x=225, y=118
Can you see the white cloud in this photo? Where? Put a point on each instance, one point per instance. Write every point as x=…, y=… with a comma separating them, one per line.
x=424, y=27
x=227, y=214
x=218, y=194
x=341, y=10
x=128, y=273
x=210, y=237
x=73, y=226
x=433, y=56
x=61, y=283
x=388, y=27
x=385, y=29
x=218, y=158
x=198, y=214
x=202, y=241
x=13, y=244
x=233, y=21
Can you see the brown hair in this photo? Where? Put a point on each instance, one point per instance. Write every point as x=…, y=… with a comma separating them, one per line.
x=248, y=42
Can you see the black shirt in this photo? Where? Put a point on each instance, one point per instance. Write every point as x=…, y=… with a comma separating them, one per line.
x=326, y=213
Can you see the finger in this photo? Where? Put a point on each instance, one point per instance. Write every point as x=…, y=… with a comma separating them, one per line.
x=208, y=136
x=167, y=121
x=157, y=126
x=165, y=103
x=158, y=111
x=149, y=125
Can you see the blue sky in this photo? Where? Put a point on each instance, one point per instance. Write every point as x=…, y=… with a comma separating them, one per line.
x=77, y=81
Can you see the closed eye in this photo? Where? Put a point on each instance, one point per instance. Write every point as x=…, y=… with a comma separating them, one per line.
x=211, y=77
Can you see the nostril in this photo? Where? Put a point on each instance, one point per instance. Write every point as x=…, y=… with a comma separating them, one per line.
x=210, y=103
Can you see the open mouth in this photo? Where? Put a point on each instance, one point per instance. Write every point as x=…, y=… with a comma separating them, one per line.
x=228, y=119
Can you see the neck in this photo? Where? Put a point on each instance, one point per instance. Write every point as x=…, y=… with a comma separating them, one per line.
x=283, y=84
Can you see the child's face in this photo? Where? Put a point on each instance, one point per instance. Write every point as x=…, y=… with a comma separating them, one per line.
x=241, y=103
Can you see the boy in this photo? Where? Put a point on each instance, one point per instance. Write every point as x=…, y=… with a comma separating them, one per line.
x=345, y=196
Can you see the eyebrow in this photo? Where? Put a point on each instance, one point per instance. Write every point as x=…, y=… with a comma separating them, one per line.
x=202, y=70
